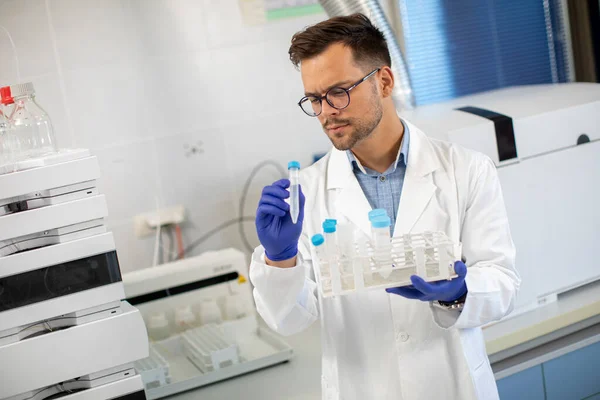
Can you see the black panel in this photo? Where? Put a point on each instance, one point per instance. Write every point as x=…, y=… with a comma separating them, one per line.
x=141, y=395
x=160, y=294
x=505, y=134
x=58, y=280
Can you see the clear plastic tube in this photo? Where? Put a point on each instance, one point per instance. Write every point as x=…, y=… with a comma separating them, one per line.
x=294, y=176
x=320, y=249
x=331, y=249
x=380, y=228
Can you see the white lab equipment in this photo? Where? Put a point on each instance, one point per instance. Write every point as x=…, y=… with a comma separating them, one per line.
x=32, y=125
x=294, y=169
x=545, y=143
x=61, y=287
x=219, y=348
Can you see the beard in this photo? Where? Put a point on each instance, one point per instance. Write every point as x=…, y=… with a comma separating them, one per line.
x=358, y=128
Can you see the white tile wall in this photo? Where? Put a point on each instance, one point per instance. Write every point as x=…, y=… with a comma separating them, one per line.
x=27, y=23
x=147, y=80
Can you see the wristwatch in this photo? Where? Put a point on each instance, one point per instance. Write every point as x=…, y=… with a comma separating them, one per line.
x=457, y=304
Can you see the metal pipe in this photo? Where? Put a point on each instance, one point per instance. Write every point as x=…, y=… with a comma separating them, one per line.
x=402, y=94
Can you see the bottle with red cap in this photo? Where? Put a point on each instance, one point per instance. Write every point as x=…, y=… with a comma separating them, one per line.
x=31, y=124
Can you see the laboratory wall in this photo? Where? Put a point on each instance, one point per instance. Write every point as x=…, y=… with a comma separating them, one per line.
x=179, y=99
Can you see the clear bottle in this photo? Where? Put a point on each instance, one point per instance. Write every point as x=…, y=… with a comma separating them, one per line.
x=380, y=229
x=32, y=125
x=9, y=147
x=6, y=148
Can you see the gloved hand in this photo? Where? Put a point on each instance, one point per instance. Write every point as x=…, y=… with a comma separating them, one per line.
x=276, y=231
x=433, y=291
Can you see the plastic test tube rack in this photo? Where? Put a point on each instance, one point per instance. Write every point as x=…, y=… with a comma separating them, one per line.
x=208, y=349
x=430, y=255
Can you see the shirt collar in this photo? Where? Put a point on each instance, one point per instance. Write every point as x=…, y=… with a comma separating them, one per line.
x=401, y=157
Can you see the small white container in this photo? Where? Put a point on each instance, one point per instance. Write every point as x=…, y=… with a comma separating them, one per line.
x=210, y=312
x=158, y=326
x=185, y=318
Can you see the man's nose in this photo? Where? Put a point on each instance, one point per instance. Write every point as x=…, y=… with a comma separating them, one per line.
x=327, y=110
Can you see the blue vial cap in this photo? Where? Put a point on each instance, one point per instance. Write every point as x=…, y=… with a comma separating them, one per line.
x=329, y=228
x=378, y=212
x=293, y=164
x=381, y=222
x=317, y=239
x=330, y=221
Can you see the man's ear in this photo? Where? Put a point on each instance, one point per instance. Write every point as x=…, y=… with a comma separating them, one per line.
x=386, y=81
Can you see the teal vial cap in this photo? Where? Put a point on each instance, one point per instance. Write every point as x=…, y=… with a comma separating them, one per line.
x=330, y=221
x=329, y=227
x=381, y=222
x=293, y=164
x=378, y=212
x=317, y=239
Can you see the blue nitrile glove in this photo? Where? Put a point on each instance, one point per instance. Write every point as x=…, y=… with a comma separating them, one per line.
x=447, y=291
x=276, y=231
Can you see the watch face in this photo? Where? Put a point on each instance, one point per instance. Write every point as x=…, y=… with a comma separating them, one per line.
x=58, y=280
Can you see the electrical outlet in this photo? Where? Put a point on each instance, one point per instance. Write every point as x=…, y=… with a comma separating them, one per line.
x=146, y=224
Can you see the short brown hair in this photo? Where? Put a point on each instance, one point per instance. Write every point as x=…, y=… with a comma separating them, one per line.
x=355, y=31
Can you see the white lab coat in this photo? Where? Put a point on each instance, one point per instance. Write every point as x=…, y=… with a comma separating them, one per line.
x=382, y=346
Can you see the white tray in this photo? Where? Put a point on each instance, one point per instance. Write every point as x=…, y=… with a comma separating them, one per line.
x=172, y=371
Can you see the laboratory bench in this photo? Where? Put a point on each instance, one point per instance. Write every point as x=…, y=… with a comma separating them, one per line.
x=550, y=352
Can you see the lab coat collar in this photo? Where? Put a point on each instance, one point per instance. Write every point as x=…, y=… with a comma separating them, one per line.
x=417, y=189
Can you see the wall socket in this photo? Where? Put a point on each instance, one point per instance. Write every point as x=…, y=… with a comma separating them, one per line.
x=145, y=224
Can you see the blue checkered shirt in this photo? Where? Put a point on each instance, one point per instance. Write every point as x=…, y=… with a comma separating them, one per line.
x=384, y=190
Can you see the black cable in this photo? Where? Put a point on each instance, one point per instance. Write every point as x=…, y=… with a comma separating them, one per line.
x=255, y=170
x=210, y=233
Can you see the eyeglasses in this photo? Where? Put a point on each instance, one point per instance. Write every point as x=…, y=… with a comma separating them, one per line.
x=336, y=97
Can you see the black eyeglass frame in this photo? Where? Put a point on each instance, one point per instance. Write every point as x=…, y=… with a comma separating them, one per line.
x=320, y=98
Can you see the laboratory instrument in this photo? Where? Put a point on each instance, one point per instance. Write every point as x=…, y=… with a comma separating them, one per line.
x=545, y=143
x=294, y=172
x=61, y=290
x=223, y=341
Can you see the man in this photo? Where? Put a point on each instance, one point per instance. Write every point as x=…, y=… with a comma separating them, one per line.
x=422, y=341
